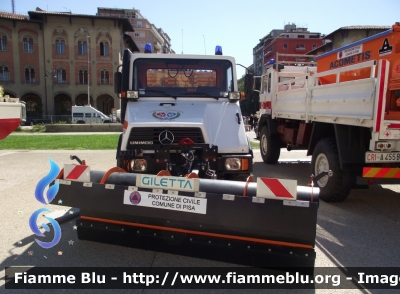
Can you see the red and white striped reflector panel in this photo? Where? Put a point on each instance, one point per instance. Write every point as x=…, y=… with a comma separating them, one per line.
x=79, y=173
x=276, y=189
x=381, y=172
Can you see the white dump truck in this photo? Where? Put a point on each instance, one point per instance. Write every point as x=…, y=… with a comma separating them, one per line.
x=344, y=110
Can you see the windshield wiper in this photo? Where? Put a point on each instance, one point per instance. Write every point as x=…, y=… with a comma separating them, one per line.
x=158, y=91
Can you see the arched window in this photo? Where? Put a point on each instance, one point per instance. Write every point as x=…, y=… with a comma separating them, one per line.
x=29, y=75
x=28, y=45
x=82, y=47
x=4, y=73
x=83, y=76
x=103, y=49
x=104, y=77
x=3, y=43
x=31, y=105
x=61, y=76
x=60, y=46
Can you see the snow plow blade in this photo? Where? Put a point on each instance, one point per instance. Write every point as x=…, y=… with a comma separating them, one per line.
x=251, y=230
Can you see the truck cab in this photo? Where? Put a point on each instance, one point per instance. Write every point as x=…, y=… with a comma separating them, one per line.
x=180, y=113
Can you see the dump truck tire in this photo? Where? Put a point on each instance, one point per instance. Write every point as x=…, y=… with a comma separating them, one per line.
x=269, y=147
x=325, y=157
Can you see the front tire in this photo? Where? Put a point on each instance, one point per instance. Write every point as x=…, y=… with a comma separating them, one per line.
x=325, y=157
x=269, y=147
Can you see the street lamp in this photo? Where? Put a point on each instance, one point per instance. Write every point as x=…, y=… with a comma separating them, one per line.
x=88, y=82
x=50, y=73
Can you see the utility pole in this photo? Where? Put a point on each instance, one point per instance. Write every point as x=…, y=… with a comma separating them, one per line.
x=88, y=66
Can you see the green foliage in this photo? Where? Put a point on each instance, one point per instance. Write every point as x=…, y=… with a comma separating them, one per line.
x=241, y=84
x=39, y=107
x=38, y=128
x=60, y=142
x=66, y=142
x=255, y=145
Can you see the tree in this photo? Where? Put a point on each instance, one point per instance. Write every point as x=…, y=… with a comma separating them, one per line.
x=39, y=109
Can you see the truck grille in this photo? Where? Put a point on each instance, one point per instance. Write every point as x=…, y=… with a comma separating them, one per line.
x=152, y=134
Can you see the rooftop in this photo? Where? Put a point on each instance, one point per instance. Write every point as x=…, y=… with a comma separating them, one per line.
x=13, y=16
x=358, y=28
x=40, y=14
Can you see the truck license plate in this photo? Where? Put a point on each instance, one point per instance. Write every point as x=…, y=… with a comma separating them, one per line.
x=382, y=156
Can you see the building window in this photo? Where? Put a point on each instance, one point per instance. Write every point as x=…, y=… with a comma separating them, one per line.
x=60, y=47
x=28, y=45
x=300, y=47
x=82, y=48
x=61, y=76
x=136, y=34
x=284, y=46
x=139, y=24
x=31, y=105
x=301, y=36
x=3, y=43
x=104, y=77
x=4, y=73
x=83, y=77
x=142, y=35
x=103, y=49
x=29, y=75
x=141, y=44
x=314, y=46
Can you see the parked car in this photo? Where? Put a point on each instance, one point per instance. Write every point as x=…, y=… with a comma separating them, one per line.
x=30, y=122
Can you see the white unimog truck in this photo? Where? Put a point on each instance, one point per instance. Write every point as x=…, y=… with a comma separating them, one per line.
x=183, y=135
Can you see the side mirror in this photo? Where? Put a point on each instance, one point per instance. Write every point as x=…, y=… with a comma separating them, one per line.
x=248, y=84
x=117, y=82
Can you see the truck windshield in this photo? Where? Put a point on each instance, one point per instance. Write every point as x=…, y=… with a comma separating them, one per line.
x=183, y=77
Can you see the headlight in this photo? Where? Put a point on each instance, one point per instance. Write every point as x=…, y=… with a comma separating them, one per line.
x=234, y=96
x=132, y=94
x=139, y=165
x=233, y=164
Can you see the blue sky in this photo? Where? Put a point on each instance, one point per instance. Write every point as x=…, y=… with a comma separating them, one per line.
x=235, y=25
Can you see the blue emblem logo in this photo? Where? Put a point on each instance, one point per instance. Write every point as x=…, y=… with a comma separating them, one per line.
x=39, y=195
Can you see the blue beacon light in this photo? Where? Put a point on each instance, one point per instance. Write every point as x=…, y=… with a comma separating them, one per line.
x=148, y=48
x=218, y=50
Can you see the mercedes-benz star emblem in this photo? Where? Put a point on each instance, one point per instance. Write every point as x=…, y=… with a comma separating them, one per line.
x=166, y=137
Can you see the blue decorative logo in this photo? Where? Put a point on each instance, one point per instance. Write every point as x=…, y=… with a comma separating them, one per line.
x=35, y=229
x=39, y=195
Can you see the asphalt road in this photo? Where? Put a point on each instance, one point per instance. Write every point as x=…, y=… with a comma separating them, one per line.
x=363, y=231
